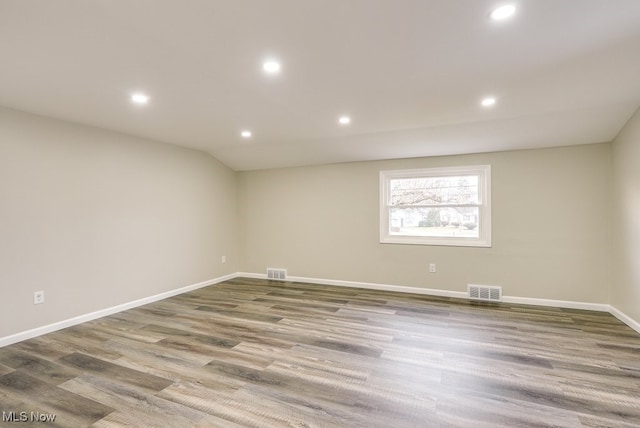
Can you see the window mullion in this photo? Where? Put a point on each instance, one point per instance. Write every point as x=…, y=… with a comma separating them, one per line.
x=437, y=206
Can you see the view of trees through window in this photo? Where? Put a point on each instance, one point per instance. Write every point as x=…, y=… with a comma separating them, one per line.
x=446, y=206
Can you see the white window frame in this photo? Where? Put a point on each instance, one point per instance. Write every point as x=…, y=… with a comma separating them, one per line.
x=483, y=172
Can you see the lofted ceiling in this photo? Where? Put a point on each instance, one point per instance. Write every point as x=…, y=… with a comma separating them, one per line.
x=409, y=73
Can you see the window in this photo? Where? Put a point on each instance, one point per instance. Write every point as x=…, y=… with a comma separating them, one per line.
x=436, y=206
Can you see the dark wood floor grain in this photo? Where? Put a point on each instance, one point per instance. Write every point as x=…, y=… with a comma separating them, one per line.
x=256, y=353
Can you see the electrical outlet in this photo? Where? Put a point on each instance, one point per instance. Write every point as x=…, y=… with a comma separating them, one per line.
x=223, y=259
x=38, y=297
x=432, y=268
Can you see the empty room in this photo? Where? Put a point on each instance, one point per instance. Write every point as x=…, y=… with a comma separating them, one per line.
x=320, y=213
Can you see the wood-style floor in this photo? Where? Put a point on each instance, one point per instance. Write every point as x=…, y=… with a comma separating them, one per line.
x=270, y=354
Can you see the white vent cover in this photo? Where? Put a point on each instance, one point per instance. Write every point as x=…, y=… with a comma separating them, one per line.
x=485, y=292
x=279, y=274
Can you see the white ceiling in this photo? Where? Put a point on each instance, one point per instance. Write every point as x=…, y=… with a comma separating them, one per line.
x=410, y=73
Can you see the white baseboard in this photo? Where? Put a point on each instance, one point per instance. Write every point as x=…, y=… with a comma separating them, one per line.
x=435, y=292
x=625, y=318
x=383, y=287
x=599, y=307
x=19, y=337
x=364, y=285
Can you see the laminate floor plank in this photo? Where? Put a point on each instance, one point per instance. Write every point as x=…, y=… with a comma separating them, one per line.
x=180, y=374
x=256, y=353
x=156, y=354
x=45, y=370
x=73, y=344
x=70, y=409
x=143, y=409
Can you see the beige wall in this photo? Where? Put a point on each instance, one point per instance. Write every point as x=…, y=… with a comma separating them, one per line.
x=550, y=225
x=97, y=219
x=625, y=220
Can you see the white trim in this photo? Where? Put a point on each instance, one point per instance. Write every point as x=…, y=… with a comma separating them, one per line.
x=18, y=337
x=364, y=285
x=625, y=318
x=252, y=275
x=383, y=287
x=38, y=331
x=598, y=307
x=483, y=172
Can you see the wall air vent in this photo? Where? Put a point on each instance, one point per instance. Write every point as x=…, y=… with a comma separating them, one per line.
x=277, y=274
x=485, y=292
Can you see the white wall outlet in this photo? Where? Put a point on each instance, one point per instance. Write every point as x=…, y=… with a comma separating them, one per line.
x=38, y=297
x=432, y=268
x=223, y=259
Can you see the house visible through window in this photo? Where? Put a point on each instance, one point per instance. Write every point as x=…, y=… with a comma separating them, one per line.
x=436, y=206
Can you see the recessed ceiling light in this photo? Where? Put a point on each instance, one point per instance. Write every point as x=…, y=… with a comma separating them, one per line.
x=271, y=67
x=344, y=120
x=246, y=134
x=139, y=98
x=503, y=12
x=488, y=101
